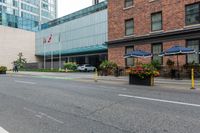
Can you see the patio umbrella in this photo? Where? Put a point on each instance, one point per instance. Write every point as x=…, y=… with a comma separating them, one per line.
x=177, y=50
x=138, y=54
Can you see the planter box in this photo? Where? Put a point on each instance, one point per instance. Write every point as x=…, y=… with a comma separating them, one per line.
x=2, y=72
x=136, y=80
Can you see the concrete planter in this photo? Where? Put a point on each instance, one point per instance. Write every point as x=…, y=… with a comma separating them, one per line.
x=136, y=80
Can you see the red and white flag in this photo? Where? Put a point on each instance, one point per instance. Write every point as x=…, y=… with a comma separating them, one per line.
x=50, y=38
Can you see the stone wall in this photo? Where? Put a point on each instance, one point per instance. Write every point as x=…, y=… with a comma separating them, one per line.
x=12, y=42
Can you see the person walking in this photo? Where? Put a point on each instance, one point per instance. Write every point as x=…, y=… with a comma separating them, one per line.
x=15, y=68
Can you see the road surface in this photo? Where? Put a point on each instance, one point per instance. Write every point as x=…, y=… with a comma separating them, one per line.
x=42, y=105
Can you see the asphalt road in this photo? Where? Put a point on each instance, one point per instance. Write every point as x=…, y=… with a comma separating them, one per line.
x=39, y=105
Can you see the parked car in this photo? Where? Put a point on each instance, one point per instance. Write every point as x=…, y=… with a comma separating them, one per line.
x=86, y=68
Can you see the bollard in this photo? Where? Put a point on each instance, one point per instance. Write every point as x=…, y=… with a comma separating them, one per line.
x=192, y=77
x=96, y=75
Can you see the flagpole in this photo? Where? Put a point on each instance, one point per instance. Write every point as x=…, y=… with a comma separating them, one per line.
x=59, y=53
x=51, y=60
x=44, y=49
x=60, y=56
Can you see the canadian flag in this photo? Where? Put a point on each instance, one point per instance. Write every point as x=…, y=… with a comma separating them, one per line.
x=50, y=38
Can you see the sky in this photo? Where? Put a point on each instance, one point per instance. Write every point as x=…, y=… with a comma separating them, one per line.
x=68, y=6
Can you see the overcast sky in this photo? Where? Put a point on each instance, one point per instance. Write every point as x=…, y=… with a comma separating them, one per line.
x=68, y=6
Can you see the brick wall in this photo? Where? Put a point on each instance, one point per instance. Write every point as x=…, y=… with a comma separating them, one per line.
x=145, y=47
x=116, y=54
x=173, y=16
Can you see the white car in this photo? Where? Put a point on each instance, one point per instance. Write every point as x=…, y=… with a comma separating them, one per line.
x=86, y=68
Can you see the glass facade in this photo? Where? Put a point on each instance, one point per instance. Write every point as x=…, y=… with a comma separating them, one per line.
x=75, y=15
x=27, y=14
x=82, y=32
x=18, y=22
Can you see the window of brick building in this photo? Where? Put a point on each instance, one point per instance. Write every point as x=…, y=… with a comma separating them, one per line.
x=129, y=27
x=156, y=50
x=129, y=61
x=192, y=14
x=156, y=21
x=194, y=44
x=128, y=3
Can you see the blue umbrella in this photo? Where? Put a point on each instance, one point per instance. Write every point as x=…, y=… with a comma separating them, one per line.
x=138, y=54
x=177, y=50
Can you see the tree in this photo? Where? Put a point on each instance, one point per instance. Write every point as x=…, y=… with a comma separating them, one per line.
x=21, y=61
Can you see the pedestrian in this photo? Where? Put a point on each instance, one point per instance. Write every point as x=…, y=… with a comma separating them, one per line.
x=16, y=68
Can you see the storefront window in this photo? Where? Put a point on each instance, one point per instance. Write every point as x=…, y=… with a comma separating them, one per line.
x=129, y=61
x=193, y=58
x=156, y=50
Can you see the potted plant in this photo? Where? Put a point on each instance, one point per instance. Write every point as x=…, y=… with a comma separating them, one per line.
x=70, y=66
x=156, y=64
x=3, y=70
x=170, y=63
x=142, y=74
x=107, y=67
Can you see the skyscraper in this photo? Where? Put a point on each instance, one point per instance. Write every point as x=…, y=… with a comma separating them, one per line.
x=27, y=14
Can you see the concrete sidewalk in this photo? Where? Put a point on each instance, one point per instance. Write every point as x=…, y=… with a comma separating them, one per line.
x=159, y=81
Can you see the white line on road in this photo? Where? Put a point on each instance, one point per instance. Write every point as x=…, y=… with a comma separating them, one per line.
x=24, y=82
x=160, y=100
x=3, y=130
x=52, y=118
x=40, y=114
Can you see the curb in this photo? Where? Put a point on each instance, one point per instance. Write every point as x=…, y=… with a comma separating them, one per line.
x=157, y=81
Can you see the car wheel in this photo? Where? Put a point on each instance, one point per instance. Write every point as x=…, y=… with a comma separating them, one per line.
x=86, y=70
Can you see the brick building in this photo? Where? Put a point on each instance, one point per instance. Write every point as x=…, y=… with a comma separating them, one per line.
x=154, y=26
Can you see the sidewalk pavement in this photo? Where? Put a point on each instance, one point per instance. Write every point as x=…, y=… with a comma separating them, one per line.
x=159, y=81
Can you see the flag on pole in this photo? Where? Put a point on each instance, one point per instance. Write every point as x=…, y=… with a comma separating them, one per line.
x=50, y=38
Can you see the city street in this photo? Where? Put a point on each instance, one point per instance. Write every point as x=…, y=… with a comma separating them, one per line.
x=36, y=104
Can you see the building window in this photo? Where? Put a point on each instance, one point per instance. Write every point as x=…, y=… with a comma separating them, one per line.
x=192, y=14
x=129, y=61
x=193, y=58
x=156, y=21
x=156, y=50
x=129, y=27
x=128, y=3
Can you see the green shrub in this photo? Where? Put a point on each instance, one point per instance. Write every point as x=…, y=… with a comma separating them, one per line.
x=70, y=66
x=39, y=70
x=108, y=65
x=156, y=64
x=3, y=69
x=107, y=68
x=170, y=63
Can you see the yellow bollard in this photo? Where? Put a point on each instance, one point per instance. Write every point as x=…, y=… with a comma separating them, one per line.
x=192, y=77
x=96, y=75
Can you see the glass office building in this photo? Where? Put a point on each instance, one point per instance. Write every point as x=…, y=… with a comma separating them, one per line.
x=78, y=37
x=27, y=14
